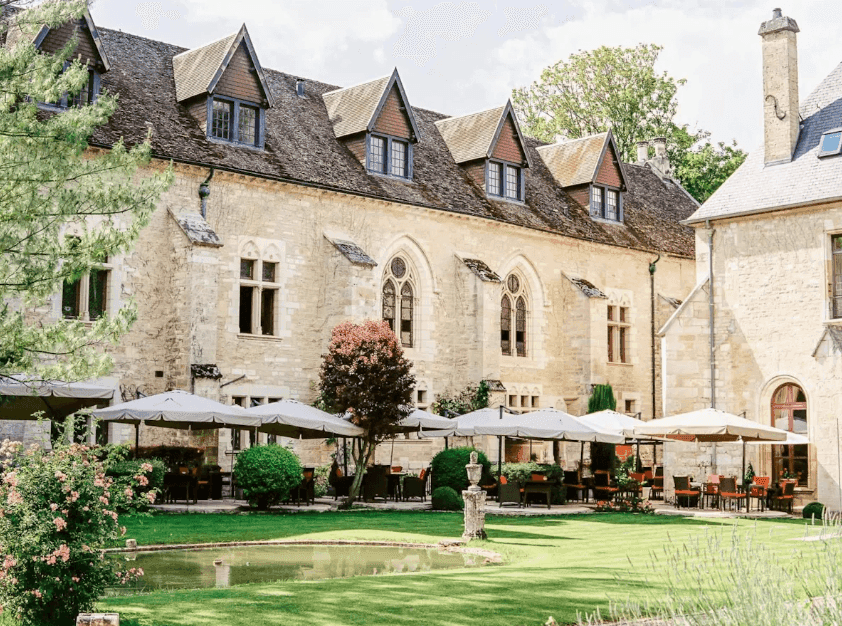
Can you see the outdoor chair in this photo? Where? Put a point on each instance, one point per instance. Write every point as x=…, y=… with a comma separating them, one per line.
x=710, y=491
x=209, y=485
x=376, y=483
x=684, y=490
x=415, y=487
x=509, y=492
x=306, y=489
x=758, y=491
x=574, y=485
x=602, y=489
x=341, y=484
x=656, y=491
x=728, y=493
x=785, y=499
x=635, y=488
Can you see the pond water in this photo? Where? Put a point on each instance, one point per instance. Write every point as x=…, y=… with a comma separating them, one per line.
x=226, y=567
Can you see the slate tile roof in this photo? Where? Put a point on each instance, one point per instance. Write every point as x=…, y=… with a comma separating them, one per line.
x=574, y=162
x=469, y=137
x=481, y=269
x=807, y=179
x=194, y=70
x=301, y=147
x=353, y=252
x=350, y=110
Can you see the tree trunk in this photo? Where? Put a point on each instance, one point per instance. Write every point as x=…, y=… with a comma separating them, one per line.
x=361, y=458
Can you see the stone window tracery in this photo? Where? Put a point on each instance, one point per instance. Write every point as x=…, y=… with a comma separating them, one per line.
x=259, y=291
x=399, y=300
x=513, y=317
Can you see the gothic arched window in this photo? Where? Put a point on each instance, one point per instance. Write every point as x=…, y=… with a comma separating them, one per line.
x=513, y=291
x=398, y=280
x=789, y=412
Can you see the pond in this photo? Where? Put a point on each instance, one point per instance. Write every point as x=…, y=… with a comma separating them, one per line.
x=238, y=565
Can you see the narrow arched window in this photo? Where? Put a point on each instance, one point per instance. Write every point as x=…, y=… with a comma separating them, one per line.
x=406, y=314
x=400, y=314
x=789, y=412
x=389, y=303
x=513, y=317
x=520, y=327
x=506, y=325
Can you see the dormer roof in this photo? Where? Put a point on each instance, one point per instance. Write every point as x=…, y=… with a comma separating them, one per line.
x=198, y=71
x=87, y=22
x=474, y=136
x=577, y=162
x=355, y=109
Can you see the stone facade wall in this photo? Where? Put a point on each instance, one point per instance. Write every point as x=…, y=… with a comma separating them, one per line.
x=771, y=292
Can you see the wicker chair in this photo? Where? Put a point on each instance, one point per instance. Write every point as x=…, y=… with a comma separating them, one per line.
x=341, y=484
x=509, y=492
x=656, y=491
x=376, y=483
x=759, y=491
x=574, y=485
x=602, y=489
x=728, y=493
x=416, y=487
x=684, y=490
x=710, y=491
x=785, y=499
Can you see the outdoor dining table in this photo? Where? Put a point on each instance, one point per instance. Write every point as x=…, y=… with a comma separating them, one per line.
x=395, y=484
x=544, y=487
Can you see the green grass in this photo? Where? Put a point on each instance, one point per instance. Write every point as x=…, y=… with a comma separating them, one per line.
x=554, y=566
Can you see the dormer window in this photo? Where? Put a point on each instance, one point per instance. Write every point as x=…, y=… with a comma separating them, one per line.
x=389, y=156
x=606, y=203
x=235, y=121
x=87, y=94
x=504, y=180
x=831, y=143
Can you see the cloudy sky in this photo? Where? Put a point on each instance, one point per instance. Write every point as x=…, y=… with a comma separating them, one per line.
x=458, y=57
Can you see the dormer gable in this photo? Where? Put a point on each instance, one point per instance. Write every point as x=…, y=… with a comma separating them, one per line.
x=376, y=122
x=224, y=87
x=590, y=170
x=228, y=66
x=490, y=147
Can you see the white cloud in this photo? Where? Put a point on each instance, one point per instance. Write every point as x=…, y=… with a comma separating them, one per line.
x=518, y=19
x=446, y=21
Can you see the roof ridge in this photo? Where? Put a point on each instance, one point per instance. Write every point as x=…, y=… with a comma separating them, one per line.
x=367, y=82
x=457, y=117
x=569, y=141
x=205, y=45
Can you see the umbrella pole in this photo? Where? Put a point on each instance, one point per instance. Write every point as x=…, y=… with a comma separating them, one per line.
x=581, y=457
x=136, y=439
x=744, y=462
x=345, y=455
x=392, y=453
x=499, y=458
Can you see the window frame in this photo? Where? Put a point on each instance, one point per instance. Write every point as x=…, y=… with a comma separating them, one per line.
x=618, y=335
x=512, y=347
x=258, y=287
x=260, y=122
x=790, y=406
x=827, y=153
x=835, y=304
x=398, y=285
x=602, y=213
x=500, y=194
x=64, y=103
x=387, y=156
x=83, y=293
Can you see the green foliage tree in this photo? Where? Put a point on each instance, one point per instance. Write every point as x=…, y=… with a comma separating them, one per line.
x=618, y=88
x=471, y=398
x=53, y=184
x=366, y=375
x=602, y=398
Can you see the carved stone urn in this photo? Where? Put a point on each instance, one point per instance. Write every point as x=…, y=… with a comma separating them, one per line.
x=474, y=498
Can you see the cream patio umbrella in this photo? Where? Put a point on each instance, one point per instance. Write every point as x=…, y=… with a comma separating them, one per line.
x=711, y=425
x=289, y=418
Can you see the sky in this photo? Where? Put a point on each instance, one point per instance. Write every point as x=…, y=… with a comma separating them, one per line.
x=460, y=57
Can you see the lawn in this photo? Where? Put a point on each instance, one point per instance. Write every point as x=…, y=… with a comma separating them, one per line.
x=554, y=566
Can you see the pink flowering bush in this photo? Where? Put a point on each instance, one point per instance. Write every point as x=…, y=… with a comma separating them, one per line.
x=137, y=482
x=57, y=514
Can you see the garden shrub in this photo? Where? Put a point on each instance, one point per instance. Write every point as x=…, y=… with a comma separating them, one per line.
x=125, y=473
x=813, y=509
x=56, y=517
x=521, y=472
x=320, y=485
x=173, y=456
x=267, y=474
x=448, y=468
x=446, y=499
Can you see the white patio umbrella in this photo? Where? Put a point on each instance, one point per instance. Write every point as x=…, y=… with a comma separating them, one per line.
x=618, y=423
x=712, y=425
x=424, y=420
x=26, y=396
x=289, y=418
x=178, y=409
x=792, y=439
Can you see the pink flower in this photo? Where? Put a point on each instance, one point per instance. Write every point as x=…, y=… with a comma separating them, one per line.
x=14, y=498
x=11, y=479
x=60, y=523
x=129, y=493
x=143, y=480
x=147, y=467
x=75, y=579
x=74, y=495
x=103, y=499
x=61, y=476
x=151, y=497
x=63, y=552
x=53, y=506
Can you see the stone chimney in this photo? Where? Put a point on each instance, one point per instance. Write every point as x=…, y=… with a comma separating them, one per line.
x=780, y=88
x=660, y=164
x=642, y=152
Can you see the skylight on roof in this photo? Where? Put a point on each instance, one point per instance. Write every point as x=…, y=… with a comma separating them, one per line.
x=831, y=143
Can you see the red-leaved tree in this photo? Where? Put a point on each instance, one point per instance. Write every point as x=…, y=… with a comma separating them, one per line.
x=366, y=375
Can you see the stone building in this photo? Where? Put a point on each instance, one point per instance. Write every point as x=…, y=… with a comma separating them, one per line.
x=769, y=241
x=298, y=205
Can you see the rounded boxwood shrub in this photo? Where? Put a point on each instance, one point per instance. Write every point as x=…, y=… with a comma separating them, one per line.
x=814, y=508
x=446, y=499
x=449, y=468
x=267, y=474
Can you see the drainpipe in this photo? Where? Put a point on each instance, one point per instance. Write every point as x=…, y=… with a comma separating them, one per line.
x=652, y=269
x=712, y=318
x=204, y=192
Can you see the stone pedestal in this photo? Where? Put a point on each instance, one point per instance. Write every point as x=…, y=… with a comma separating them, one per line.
x=474, y=498
x=98, y=619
